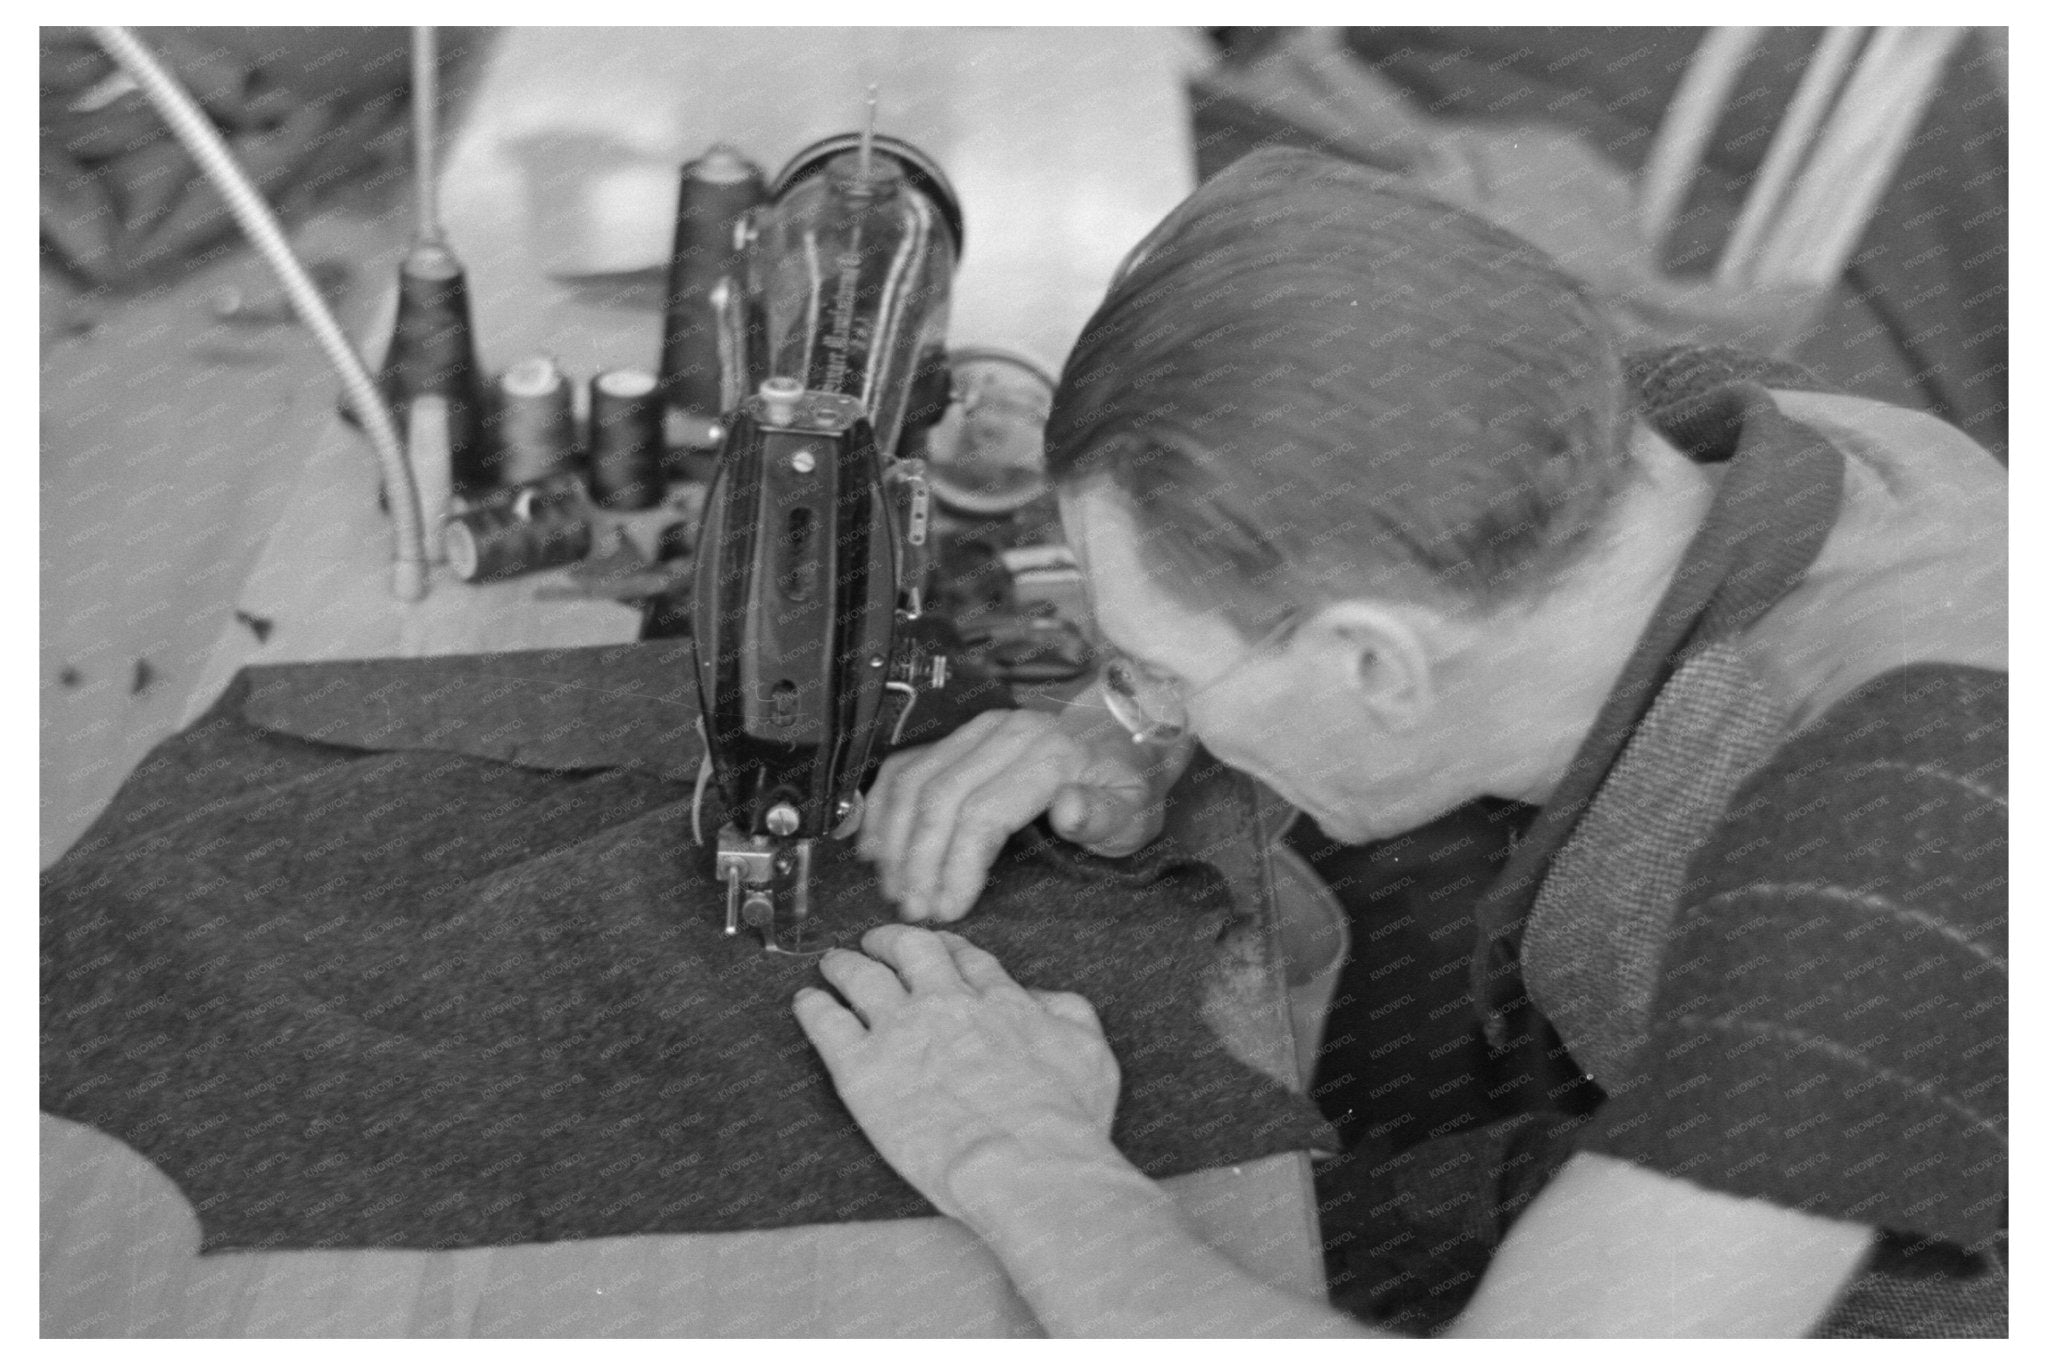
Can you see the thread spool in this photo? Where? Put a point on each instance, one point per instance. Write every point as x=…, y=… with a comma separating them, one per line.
x=536, y=421
x=563, y=488
x=717, y=190
x=540, y=525
x=625, y=440
x=431, y=352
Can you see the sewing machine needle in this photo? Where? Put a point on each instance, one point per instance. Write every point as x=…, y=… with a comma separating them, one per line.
x=867, y=137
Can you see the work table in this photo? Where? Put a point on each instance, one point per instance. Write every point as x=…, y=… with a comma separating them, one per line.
x=1065, y=146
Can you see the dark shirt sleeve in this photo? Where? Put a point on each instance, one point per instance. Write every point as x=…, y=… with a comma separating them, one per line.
x=1830, y=1028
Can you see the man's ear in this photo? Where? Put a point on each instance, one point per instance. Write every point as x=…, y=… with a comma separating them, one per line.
x=1381, y=651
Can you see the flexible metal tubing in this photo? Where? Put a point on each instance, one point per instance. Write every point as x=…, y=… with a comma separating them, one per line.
x=409, y=556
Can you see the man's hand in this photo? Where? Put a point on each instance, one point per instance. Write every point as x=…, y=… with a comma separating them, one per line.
x=949, y=1066
x=937, y=816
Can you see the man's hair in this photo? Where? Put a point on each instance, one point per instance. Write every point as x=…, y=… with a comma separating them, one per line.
x=1313, y=381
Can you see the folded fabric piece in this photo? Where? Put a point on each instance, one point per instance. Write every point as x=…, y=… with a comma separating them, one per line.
x=419, y=954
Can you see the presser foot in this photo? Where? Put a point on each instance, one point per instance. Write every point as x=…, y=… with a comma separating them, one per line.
x=767, y=889
x=797, y=940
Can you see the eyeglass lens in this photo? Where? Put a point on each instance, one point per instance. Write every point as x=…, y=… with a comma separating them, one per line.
x=1146, y=708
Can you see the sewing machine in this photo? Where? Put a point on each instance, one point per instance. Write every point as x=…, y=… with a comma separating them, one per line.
x=815, y=544
x=1003, y=111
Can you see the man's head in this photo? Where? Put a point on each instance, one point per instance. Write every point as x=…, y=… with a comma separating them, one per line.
x=1317, y=396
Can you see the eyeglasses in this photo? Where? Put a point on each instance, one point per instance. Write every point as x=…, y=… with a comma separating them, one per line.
x=1154, y=707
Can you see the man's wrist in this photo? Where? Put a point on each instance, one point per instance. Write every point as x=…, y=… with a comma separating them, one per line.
x=1097, y=1249
x=1007, y=1188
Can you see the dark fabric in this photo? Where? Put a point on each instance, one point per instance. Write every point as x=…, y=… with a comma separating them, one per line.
x=1830, y=1027
x=1408, y=1234
x=1779, y=496
x=1921, y=1287
x=558, y=710
x=1402, y=1059
x=426, y=998
x=613, y=706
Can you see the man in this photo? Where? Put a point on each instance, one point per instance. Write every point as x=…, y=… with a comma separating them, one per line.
x=1365, y=504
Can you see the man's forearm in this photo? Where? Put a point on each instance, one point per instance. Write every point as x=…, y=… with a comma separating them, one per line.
x=1098, y=1250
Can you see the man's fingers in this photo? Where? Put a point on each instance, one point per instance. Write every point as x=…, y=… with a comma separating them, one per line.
x=1075, y=1009
x=881, y=799
x=937, y=818
x=871, y=988
x=989, y=788
x=831, y=1027
x=1100, y=817
x=895, y=799
x=977, y=966
x=917, y=955
x=977, y=839
x=888, y=814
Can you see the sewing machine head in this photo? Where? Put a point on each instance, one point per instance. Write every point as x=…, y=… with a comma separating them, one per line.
x=813, y=546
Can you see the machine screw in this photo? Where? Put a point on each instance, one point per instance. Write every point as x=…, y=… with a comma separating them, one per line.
x=783, y=820
x=803, y=462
